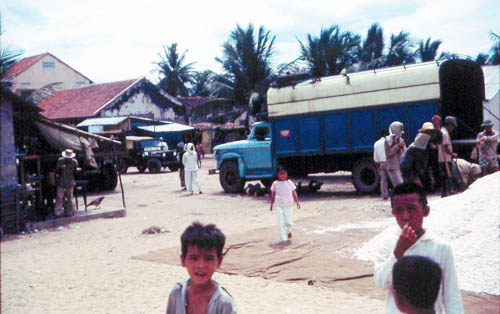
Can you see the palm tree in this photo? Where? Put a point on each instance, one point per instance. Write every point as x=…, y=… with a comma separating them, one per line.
x=8, y=57
x=371, y=51
x=174, y=74
x=495, y=49
x=427, y=51
x=201, y=83
x=246, y=62
x=399, y=50
x=331, y=52
x=481, y=58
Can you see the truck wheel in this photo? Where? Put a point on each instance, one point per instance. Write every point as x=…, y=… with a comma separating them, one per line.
x=109, y=178
x=365, y=176
x=229, y=177
x=154, y=166
x=142, y=167
x=122, y=166
x=173, y=168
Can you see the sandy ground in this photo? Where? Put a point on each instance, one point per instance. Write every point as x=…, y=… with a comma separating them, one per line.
x=89, y=267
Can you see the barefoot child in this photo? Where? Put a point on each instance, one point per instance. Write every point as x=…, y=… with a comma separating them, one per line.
x=283, y=193
x=416, y=281
x=409, y=207
x=201, y=255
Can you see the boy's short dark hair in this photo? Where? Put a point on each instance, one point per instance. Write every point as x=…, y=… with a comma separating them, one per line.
x=204, y=237
x=417, y=279
x=410, y=188
x=281, y=168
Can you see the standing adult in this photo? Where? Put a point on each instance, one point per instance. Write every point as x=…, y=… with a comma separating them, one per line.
x=381, y=161
x=415, y=159
x=180, y=153
x=487, y=142
x=394, y=149
x=446, y=155
x=66, y=168
x=190, y=161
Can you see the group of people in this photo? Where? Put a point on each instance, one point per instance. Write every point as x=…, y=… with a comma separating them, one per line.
x=415, y=266
x=399, y=164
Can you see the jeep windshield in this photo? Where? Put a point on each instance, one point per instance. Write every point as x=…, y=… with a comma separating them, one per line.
x=151, y=144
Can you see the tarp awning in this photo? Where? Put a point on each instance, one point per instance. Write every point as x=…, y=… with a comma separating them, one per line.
x=170, y=127
x=491, y=80
x=102, y=121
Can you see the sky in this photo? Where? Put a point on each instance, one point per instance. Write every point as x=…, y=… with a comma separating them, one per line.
x=108, y=40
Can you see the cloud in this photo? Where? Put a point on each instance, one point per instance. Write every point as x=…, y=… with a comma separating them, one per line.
x=116, y=40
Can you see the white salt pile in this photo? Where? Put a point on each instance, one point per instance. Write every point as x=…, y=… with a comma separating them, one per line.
x=470, y=221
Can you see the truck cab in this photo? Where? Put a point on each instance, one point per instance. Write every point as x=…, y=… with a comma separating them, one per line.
x=246, y=160
x=148, y=153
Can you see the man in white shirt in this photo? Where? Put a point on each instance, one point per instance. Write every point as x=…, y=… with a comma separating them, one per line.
x=409, y=207
x=381, y=161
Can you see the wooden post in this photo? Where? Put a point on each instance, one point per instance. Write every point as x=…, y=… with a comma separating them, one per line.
x=119, y=174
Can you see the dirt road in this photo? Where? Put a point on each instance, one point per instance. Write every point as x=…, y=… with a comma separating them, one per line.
x=95, y=266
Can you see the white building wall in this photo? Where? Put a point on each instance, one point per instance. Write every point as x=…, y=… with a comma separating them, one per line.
x=140, y=104
x=38, y=76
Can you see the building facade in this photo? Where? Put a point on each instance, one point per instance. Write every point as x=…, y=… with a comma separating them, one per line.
x=32, y=73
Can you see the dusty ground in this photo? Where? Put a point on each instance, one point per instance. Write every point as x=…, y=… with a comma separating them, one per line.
x=101, y=266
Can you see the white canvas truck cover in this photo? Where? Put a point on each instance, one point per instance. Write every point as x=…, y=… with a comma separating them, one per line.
x=416, y=82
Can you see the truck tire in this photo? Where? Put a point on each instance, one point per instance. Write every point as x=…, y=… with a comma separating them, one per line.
x=229, y=177
x=122, y=166
x=365, y=176
x=109, y=178
x=154, y=166
x=142, y=167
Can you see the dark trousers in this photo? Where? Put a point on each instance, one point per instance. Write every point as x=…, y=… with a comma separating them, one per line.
x=446, y=180
x=182, y=177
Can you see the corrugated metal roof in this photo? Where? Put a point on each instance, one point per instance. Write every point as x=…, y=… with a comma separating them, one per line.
x=491, y=80
x=171, y=127
x=102, y=121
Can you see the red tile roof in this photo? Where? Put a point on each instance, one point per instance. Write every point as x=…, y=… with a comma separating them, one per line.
x=84, y=101
x=25, y=63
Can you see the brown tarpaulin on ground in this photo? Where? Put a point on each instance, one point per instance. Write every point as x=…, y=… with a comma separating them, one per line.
x=320, y=259
x=314, y=258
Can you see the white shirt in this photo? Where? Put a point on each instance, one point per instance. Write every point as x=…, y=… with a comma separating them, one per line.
x=284, y=193
x=190, y=161
x=431, y=246
x=443, y=156
x=379, y=150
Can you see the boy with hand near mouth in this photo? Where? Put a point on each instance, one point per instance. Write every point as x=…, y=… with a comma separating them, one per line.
x=409, y=207
x=201, y=256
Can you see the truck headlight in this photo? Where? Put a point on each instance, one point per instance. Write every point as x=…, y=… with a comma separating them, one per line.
x=145, y=154
x=163, y=155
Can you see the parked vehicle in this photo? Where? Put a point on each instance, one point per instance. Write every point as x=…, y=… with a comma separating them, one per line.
x=150, y=153
x=330, y=124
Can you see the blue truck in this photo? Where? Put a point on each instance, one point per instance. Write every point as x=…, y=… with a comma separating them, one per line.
x=330, y=124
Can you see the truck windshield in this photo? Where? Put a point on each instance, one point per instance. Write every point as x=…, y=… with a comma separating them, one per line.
x=260, y=133
x=150, y=143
